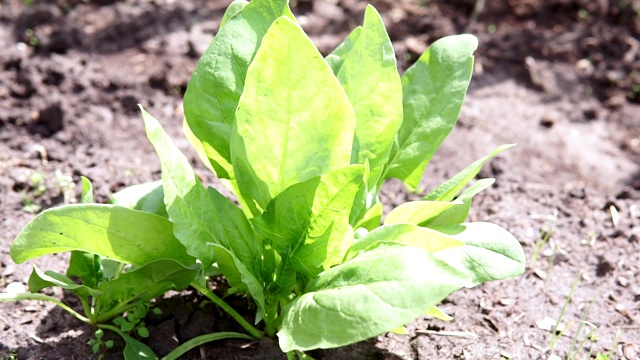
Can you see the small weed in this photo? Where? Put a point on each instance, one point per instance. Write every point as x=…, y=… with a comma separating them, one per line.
x=11, y=355
x=133, y=320
x=554, y=333
x=545, y=235
x=590, y=336
x=36, y=187
x=583, y=14
x=98, y=344
x=579, y=339
x=609, y=355
x=65, y=186
x=32, y=38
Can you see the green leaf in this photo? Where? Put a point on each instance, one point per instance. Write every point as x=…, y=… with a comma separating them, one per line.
x=308, y=222
x=145, y=283
x=193, y=343
x=400, y=330
x=43, y=279
x=197, y=145
x=371, y=218
x=458, y=214
x=122, y=234
x=143, y=332
x=283, y=279
x=240, y=277
x=110, y=268
x=135, y=350
x=370, y=78
x=433, y=90
x=436, y=213
x=285, y=134
x=405, y=234
x=124, y=325
x=375, y=292
x=87, y=191
x=200, y=215
x=437, y=313
x=418, y=212
x=212, y=95
x=147, y=197
x=87, y=267
x=449, y=189
x=473, y=190
x=234, y=8
x=490, y=252
x=83, y=265
x=336, y=58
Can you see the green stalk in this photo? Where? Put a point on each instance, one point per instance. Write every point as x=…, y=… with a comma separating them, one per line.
x=117, y=311
x=554, y=336
x=87, y=310
x=199, y=340
x=585, y=315
x=298, y=355
x=257, y=334
x=42, y=297
x=115, y=329
x=271, y=319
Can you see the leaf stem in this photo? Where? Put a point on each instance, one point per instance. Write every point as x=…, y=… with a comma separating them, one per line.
x=199, y=340
x=118, y=310
x=43, y=297
x=257, y=334
x=115, y=329
x=87, y=309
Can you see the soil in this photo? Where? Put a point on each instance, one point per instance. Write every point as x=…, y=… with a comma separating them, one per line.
x=561, y=78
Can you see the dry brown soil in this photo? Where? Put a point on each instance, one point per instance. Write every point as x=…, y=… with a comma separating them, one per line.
x=561, y=78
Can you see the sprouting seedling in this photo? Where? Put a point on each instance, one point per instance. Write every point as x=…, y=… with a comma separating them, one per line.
x=543, y=239
x=609, y=355
x=98, y=344
x=551, y=263
x=575, y=348
x=555, y=334
x=65, y=185
x=589, y=336
x=36, y=186
x=133, y=321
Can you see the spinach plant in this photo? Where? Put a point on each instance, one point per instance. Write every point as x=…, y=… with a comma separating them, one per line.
x=305, y=143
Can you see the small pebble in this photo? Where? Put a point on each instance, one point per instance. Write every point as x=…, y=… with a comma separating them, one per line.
x=15, y=288
x=539, y=273
x=547, y=121
x=622, y=281
x=506, y=301
x=548, y=324
x=486, y=306
x=629, y=351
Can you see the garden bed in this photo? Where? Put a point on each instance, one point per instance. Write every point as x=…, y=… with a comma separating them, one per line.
x=560, y=78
